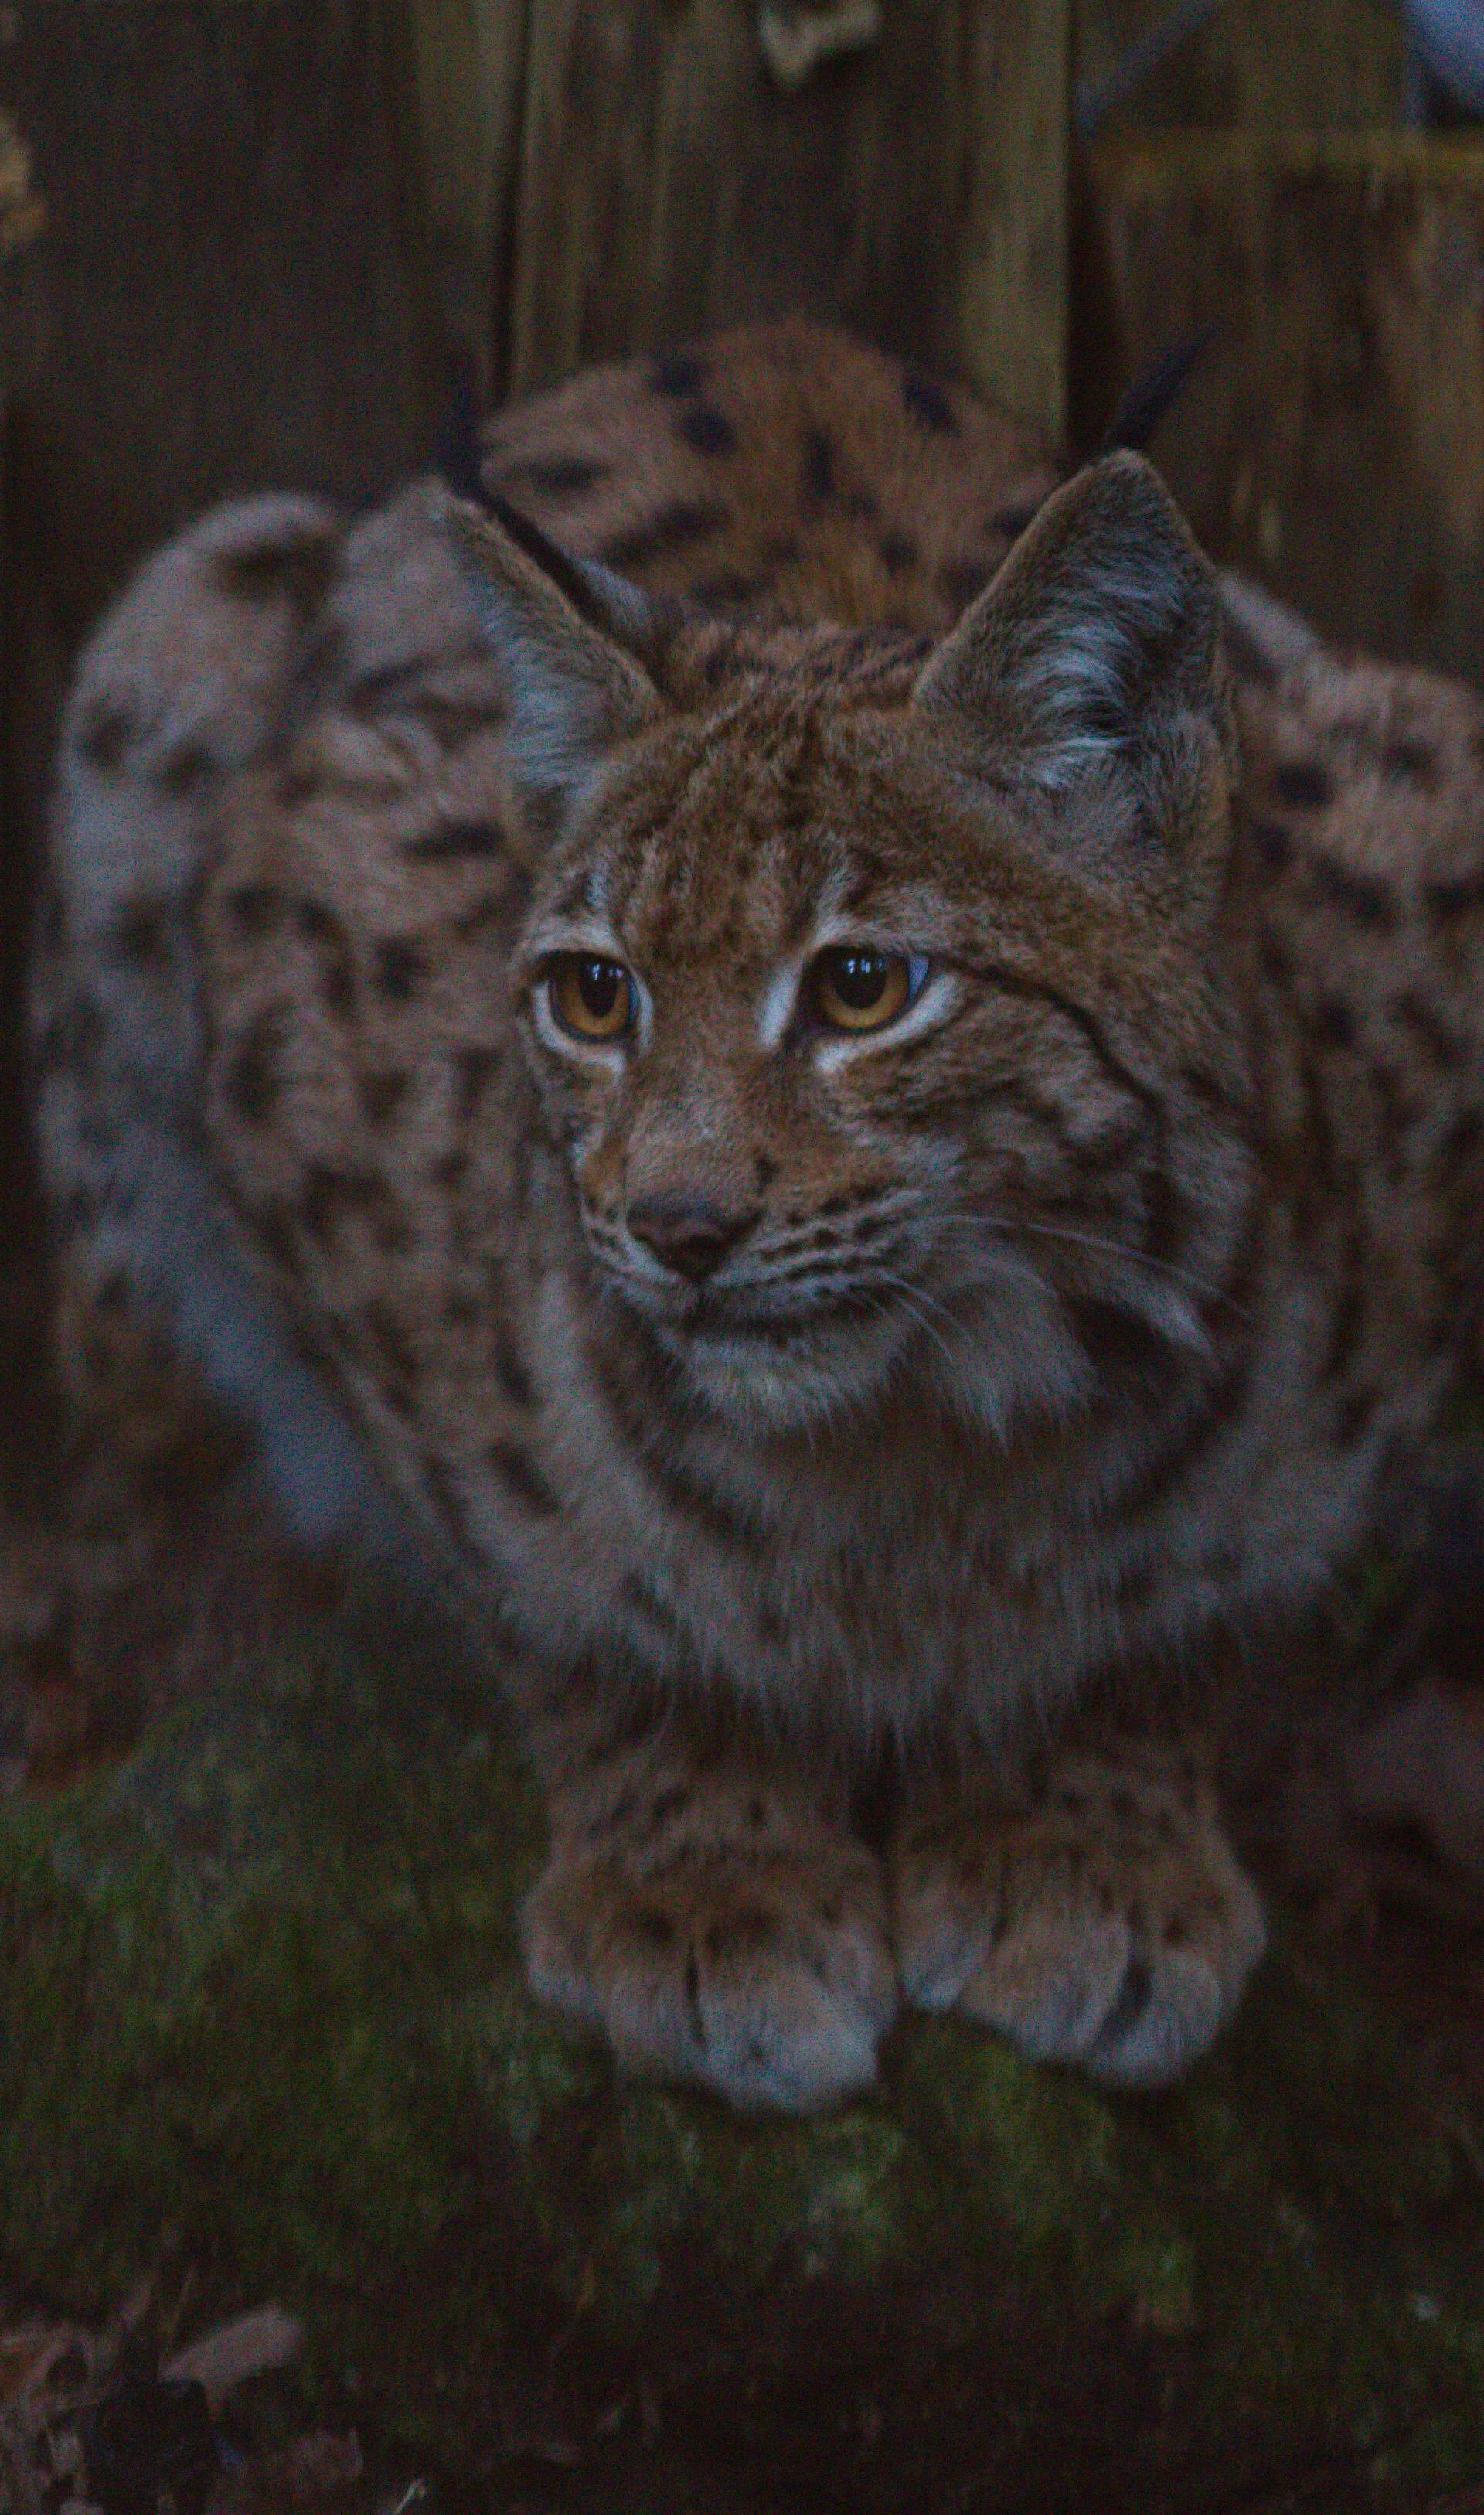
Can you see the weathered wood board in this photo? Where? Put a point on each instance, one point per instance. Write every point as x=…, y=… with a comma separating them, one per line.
x=1256, y=65
x=1331, y=441
x=664, y=184
x=228, y=293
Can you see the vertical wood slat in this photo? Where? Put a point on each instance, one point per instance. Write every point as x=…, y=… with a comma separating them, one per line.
x=467, y=60
x=1256, y=66
x=1340, y=277
x=1013, y=278
x=916, y=193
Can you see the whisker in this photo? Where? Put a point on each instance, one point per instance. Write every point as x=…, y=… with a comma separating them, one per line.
x=912, y=1298
x=1204, y=1285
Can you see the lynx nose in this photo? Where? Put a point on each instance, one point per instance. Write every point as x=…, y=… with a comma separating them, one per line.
x=688, y=1236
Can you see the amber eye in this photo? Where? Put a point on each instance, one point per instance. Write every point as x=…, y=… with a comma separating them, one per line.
x=856, y=989
x=591, y=998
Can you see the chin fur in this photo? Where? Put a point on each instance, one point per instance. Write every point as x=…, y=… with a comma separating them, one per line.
x=766, y=1386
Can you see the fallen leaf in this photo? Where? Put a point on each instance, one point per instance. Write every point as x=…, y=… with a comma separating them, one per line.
x=222, y=2360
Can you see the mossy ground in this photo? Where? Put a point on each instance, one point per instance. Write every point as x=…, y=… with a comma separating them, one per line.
x=262, y=2002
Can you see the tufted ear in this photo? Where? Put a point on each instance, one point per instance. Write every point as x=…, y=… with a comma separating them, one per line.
x=571, y=639
x=1088, y=668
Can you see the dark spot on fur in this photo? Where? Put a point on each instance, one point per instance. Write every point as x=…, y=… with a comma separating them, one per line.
x=511, y=1370
x=399, y=970
x=107, y=732
x=1357, y=896
x=651, y=1928
x=727, y=590
x=642, y=1596
x=454, y=841
x=83, y=1031
x=253, y=1082
x=766, y=1170
x=475, y=1068
x=1460, y=1146
x=256, y=907
x=142, y=935
x=1354, y=1421
x=676, y=374
x=450, y=1169
x=707, y=430
x=521, y=1478
x=1459, y=898
x=396, y=1360
x=1334, y=1023
x=745, y=1933
x=693, y=2009
x=895, y=551
x=927, y=402
x=316, y=923
x=1441, y=1044
x=383, y=1093
x=1412, y=761
x=817, y=464
x=1304, y=784
x=188, y=771
x=1274, y=846
x=861, y=507
x=675, y=528
x=322, y=930
x=447, y=1501
x=555, y=476
x=293, y=568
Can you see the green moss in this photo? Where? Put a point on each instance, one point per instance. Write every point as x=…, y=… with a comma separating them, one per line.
x=261, y=1987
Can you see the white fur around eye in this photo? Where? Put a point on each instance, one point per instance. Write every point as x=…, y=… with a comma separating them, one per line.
x=779, y=998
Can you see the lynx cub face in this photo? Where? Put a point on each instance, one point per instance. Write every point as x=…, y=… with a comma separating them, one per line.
x=785, y=972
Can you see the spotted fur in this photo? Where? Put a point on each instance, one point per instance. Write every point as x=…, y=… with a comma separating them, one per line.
x=1076, y=1311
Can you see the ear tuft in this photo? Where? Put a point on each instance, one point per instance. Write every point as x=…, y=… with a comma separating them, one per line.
x=1093, y=654
x=571, y=640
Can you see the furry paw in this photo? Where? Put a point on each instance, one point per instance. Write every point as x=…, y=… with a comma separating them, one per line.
x=1104, y=1921
x=768, y=1977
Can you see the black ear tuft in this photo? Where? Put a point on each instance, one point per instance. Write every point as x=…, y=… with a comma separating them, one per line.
x=458, y=448
x=571, y=641
x=1154, y=391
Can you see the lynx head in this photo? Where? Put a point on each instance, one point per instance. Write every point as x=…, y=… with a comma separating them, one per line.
x=864, y=981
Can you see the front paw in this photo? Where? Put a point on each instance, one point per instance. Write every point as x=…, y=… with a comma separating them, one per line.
x=1104, y=1921
x=769, y=1979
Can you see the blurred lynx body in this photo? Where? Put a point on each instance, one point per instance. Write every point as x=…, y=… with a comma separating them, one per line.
x=786, y=1384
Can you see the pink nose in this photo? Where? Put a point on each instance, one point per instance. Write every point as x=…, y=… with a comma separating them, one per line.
x=687, y=1235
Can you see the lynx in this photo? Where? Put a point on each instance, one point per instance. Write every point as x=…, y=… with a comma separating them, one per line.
x=754, y=1047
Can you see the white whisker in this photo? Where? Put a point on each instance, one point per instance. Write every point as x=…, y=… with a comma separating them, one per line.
x=1009, y=1230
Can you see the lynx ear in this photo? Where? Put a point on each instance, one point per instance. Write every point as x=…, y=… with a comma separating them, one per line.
x=1089, y=664
x=571, y=639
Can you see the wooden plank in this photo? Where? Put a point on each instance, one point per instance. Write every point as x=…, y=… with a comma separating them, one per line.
x=668, y=185
x=1256, y=64
x=229, y=291
x=1012, y=281
x=468, y=77
x=1332, y=442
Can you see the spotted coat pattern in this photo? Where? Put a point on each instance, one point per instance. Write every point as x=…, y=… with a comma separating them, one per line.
x=1082, y=1311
